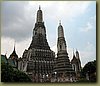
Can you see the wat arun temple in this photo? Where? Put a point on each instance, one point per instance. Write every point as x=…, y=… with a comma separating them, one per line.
x=39, y=61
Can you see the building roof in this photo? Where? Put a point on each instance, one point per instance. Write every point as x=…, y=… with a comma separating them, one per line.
x=3, y=58
x=74, y=59
x=14, y=55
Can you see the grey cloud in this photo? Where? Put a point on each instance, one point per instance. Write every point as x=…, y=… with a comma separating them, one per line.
x=17, y=20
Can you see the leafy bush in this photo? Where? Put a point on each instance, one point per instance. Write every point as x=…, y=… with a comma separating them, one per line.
x=10, y=74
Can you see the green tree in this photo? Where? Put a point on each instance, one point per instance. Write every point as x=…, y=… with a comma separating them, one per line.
x=10, y=74
x=90, y=69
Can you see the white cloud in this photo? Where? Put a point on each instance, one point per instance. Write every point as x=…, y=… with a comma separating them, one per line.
x=87, y=28
x=93, y=18
x=54, y=48
x=23, y=20
x=21, y=46
x=88, y=53
x=7, y=46
x=90, y=24
x=90, y=47
x=63, y=10
x=87, y=56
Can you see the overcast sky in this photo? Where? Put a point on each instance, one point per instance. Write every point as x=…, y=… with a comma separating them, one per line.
x=78, y=19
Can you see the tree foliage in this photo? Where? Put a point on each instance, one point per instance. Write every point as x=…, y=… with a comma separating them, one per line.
x=90, y=69
x=10, y=74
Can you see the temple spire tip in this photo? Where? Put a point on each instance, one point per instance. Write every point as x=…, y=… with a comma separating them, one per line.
x=59, y=22
x=76, y=49
x=73, y=51
x=14, y=44
x=39, y=7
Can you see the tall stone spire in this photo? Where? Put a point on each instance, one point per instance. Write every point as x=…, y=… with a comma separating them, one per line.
x=76, y=63
x=38, y=60
x=62, y=65
x=39, y=40
x=39, y=15
x=61, y=44
x=60, y=30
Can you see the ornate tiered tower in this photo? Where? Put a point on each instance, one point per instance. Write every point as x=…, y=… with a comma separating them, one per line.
x=63, y=66
x=38, y=60
x=13, y=59
x=76, y=64
x=39, y=40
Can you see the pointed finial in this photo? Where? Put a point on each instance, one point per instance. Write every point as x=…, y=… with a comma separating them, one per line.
x=39, y=7
x=14, y=45
x=76, y=49
x=59, y=22
x=73, y=50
